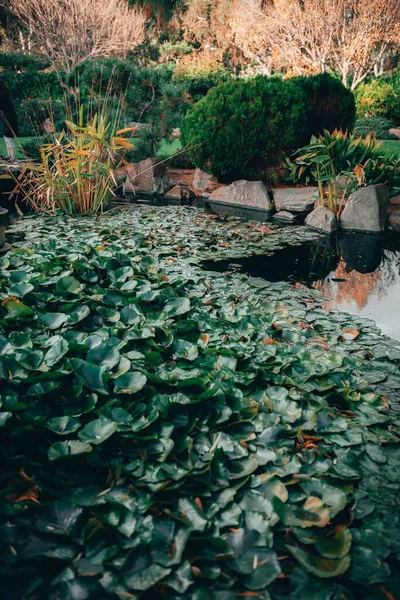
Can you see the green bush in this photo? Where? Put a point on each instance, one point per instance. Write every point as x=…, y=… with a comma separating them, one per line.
x=330, y=105
x=377, y=98
x=375, y=126
x=244, y=126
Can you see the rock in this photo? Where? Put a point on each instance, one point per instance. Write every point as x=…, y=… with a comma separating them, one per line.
x=175, y=134
x=247, y=199
x=394, y=220
x=395, y=131
x=284, y=216
x=394, y=203
x=145, y=177
x=366, y=209
x=296, y=200
x=322, y=219
x=204, y=182
x=179, y=194
x=48, y=126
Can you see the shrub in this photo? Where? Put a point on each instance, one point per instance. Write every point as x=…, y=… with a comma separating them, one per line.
x=77, y=169
x=200, y=72
x=374, y=126
x=330, y=105
x=377, y=98
x=363, y=161
x=243, y=126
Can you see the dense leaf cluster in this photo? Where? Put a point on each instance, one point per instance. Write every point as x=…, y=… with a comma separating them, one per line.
x=244, y=126
x=168, y=437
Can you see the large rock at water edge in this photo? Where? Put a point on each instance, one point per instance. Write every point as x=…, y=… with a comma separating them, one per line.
x=366, y=209
x=295, y=200
x=146, y=177
x=322, y=219
x=247, y=199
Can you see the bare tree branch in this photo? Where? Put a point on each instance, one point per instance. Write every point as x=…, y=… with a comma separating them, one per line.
x=69, y=32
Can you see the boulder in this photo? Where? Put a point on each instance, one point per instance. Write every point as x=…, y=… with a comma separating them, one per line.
x=366, y=209
x=242, y=198
x=146, y=177
x=175, y=134
x=204, y=182
x=295, y=200
x=395, y=131
x=285, y=217
x=394, y=221
x=322, y=219
x=179, y=194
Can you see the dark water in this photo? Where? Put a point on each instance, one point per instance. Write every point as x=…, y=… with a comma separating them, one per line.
x=357, y=273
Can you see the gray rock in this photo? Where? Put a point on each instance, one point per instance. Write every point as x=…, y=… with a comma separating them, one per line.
x=244, y=194
x=204, y=182
x=366, y=209
x=284, y=216
x=322, y=219
x=395, y=131
x=296, y=200
x=175, y=194
x=146, y=177
x=394, y=221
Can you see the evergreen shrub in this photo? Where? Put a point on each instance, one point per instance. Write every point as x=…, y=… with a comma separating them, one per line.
x=244, y=126
x=330, y=105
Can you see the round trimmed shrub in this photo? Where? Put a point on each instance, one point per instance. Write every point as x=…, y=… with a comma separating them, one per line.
x=330, y=105
x=377, y=98
x=243, y=126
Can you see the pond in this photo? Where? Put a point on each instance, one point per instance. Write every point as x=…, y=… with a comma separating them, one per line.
x=356, y=273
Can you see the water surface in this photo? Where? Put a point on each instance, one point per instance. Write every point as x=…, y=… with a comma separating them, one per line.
x=357, y=273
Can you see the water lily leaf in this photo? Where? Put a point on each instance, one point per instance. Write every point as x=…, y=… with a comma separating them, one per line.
x=78, y=314
x=332, y=497
x=52, y=320
x=180, y=306
x=20, y=340
x=67, y=448
x=63, y=425
x=146, y=578
x=130, y=383
x=97, y=431
x=336, y=545
x=21, y=289
x=187, y=350
x=69, y=285
x=92, y=376
x=4, y=416
x=321, y=567
x=57, y=350
x=105, y=354
x=16, y=308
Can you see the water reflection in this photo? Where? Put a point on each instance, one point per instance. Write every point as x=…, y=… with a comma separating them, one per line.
x=357, y=273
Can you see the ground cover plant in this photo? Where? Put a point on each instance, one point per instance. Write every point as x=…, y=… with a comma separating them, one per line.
x=169, y=433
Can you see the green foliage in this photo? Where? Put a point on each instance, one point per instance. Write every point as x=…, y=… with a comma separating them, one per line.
x=167, y=438
x=35, y=90
x=378, y=98
x=332, y=154
x=330, y=105
x=77, y=169
x=32, y=146
x=375, y=127
x=243, y=126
